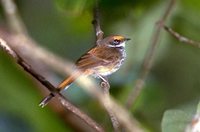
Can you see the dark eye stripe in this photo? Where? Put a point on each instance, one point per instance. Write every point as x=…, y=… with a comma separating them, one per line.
x=116, y=42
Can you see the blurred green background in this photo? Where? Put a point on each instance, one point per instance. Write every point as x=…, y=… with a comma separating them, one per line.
x=64, y=27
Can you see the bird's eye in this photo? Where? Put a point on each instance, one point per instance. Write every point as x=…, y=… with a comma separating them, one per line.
x=116, y=42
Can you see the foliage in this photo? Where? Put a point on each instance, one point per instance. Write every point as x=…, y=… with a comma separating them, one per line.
x=178, y=120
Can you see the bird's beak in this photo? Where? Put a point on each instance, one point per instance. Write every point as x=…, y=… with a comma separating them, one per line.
x=127, y=39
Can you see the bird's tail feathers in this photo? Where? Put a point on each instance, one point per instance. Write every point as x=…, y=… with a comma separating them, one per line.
x=66, y=82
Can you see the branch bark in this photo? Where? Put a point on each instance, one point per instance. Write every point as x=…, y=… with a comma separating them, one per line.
x=106, y=87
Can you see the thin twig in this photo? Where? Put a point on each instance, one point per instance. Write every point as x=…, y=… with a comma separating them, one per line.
x=148, y=60
x=96, y=23
x=182, y=38
x=106, y=87
x=104, y=84
x=16, y=24
x=50, y=87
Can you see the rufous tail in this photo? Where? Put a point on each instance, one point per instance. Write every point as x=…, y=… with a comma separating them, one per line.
x=64, y=84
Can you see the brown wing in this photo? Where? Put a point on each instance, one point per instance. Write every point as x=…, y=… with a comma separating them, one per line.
x=92, y=59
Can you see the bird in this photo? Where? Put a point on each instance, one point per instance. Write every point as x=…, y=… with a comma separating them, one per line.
x=102, y=60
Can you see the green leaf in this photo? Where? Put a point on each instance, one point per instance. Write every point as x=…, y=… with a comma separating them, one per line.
x=175, y=121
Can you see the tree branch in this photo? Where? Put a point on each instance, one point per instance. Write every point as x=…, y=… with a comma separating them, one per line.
x=96, y=23
x=148, y=60
x=50, y=87
x=106, y=87
x=16, y=24
x=182, y=38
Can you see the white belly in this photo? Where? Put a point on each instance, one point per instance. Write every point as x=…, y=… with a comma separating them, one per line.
x=111, y=68
x=105, y=71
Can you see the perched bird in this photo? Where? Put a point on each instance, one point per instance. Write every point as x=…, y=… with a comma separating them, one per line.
x=100, y=61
